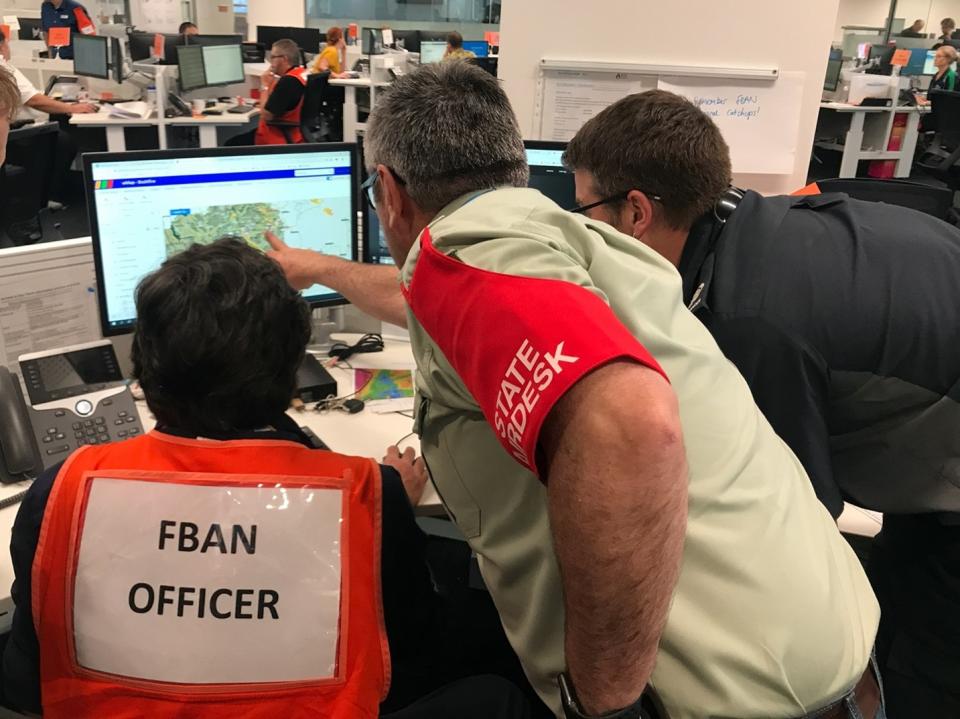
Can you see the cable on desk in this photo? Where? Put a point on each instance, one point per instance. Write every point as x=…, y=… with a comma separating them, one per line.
x=371, y=342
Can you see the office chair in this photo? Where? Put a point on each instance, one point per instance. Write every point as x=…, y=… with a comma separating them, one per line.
x=941, y=157
x=936, y=201
x=321, y=115
x=25, y=178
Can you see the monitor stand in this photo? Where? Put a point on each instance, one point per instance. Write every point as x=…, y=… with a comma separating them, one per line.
x=324, y=322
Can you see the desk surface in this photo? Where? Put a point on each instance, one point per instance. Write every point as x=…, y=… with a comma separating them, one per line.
x=356, y=82
x=846, y=107
x=103, y=119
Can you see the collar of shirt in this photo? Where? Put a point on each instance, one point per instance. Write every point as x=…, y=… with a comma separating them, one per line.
x=695, y=252
x=283, y=428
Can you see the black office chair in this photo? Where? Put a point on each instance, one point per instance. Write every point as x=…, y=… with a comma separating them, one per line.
x=932, y=200
x=321, y=115
x=25, y=179
x=942, y=155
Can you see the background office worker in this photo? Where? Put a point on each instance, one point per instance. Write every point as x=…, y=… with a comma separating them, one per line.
x=841, y=316
x=9, y=102
x=282, y=87
x=913, y=30
x=945, y=77
x=948, y=27
x=64, y=13
x=187, y=29
x=455, y=49
x=583, y=564
x=329, y=57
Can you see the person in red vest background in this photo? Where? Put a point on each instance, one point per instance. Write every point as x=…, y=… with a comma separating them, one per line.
x=64, y=13
x=281, y=94
x=221, y=565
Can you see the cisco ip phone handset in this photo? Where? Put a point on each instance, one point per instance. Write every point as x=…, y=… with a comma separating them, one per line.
x=77, y=396
x=176, y=106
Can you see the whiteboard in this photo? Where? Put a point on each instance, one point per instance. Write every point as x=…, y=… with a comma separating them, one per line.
x=156, y=15
x=756, y=110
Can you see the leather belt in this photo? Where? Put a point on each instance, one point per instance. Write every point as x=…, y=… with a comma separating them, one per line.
x=866, y=695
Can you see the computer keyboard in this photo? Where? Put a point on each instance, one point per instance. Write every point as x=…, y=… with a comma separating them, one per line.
x=239, y=109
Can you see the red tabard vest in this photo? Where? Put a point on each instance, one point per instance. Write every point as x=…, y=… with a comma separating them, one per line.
x=87, y=536
x=269, y=135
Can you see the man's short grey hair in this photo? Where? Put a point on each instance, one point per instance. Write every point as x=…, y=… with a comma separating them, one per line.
x=446, y=130
x=289, y=49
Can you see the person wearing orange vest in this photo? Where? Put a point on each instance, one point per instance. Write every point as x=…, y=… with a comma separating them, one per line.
x=249, y=579
x=281, y=95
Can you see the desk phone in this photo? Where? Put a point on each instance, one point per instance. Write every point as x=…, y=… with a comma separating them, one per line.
x=77, y=397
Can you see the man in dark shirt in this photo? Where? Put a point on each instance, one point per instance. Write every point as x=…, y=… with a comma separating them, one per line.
x=64, y=13
x=842, y=316
x=913, y=30
x=221, y=384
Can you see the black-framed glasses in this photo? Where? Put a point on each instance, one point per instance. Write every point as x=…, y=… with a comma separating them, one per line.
x=613, y=198
x=367, y=187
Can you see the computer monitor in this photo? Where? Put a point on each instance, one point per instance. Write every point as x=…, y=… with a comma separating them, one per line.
x=212, y=40
x=918, y=59
x=91, y=56
x=863, y=50
x=146, y=206
x=408, y=40
x=832, y=79
x=548, y=174
x=307, y=39
x=479, y=48
x=190, y=65
x=883, y=54
x=928, y=67
x=30, y=28
x=432, y=51
x=140, y=45
x=116, y=60
x=223, y=64
x=209, y=66
x=372, y=41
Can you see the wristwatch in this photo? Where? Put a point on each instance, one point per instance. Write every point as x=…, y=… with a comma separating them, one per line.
x=572, y=710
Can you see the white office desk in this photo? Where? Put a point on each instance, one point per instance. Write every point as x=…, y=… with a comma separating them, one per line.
x=867, y=140
x=352, y=127
x=208, y=124
x=114, y=126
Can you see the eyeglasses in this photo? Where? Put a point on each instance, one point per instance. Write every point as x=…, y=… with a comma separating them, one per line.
x=367, y=186
x=613, y=198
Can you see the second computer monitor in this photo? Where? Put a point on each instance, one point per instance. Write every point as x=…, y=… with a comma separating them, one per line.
x=479, y=48
x=209, y=66
x=548, y=174
x=146, y=206
x=432, y=51
x=91, y=56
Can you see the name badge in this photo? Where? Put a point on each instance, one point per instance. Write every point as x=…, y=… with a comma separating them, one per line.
x=210, y=579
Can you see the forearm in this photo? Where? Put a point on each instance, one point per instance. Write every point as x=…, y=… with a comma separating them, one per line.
x=617, y=489
x=374, y=289
x=48, y=105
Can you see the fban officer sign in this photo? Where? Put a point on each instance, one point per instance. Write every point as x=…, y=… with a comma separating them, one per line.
x=210, y=579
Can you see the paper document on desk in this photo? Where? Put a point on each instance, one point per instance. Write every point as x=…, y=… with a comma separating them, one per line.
x=131, y=110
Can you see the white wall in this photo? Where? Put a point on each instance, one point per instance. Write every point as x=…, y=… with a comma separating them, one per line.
x=274, y=12
x=749, y=33
x=214, y=17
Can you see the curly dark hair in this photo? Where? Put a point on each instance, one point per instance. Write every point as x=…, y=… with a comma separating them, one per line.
x=219, y=336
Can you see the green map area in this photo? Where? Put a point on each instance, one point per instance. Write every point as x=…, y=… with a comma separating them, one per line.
x=246, y=221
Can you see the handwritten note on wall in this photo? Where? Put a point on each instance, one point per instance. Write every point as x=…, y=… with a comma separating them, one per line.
x=758, y=120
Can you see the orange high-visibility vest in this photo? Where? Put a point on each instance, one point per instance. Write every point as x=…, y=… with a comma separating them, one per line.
x=84, y=23
x=89, y=544
x=270, y=135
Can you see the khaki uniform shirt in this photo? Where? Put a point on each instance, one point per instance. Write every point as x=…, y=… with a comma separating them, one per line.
x=773, y=615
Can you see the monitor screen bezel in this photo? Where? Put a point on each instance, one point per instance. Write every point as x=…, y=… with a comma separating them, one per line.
x=101, y=40
x=89, y=159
